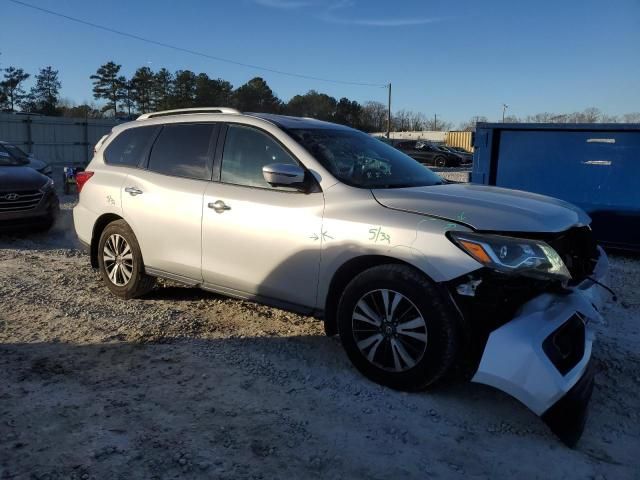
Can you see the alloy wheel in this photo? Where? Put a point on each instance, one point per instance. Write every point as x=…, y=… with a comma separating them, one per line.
x=118, y=260
x=389, y=330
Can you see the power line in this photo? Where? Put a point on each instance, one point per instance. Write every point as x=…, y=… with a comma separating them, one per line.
x=193, y=52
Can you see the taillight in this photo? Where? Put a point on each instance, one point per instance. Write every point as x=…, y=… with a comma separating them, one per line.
x=82, y=178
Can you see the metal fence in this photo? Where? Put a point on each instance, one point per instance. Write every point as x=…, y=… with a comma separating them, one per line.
x=56, y=140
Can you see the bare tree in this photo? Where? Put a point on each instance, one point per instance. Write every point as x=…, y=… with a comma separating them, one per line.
x=417, y=121
x=438, y=125
x=609, y=118
x=374, y=116
x=470, y=125
x=400, y=121
x=631, y=117
x=591, y=115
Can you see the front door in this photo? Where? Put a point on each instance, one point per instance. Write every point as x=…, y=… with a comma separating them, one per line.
x=260, y=241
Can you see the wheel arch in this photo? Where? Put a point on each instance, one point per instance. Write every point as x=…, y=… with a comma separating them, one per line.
x=344, y=274
x=98, y=227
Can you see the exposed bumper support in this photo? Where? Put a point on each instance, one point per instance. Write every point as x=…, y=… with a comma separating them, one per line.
x=567, y=417
x=515, y=361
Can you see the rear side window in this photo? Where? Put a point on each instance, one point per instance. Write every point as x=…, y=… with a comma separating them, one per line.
x=128, y=148
x=183, y=150
x=246, y=151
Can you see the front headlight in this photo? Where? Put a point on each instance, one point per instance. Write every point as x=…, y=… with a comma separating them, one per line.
x=532, y=258
x=48, y=185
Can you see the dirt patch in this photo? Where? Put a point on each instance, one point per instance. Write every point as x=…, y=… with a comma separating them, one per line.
x=184, y=383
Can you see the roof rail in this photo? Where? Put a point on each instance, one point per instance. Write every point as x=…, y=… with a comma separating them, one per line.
x=185, y=111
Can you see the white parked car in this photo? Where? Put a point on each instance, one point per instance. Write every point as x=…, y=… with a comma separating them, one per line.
x=416, y=275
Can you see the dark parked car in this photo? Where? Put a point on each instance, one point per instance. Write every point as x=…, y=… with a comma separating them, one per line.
x=429, y=154
x=466, y=156
x=18, y=154
x=27, y=197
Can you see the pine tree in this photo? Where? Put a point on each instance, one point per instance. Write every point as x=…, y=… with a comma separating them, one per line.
x=127, y=94
x=108, y=85
x=256, y=96
x=11, y=86
x=43, y=97
x=142, y=83
x=212, y=93
x=162, y=89
x=184, y=89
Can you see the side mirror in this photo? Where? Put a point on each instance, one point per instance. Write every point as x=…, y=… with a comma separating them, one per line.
x=284, y=175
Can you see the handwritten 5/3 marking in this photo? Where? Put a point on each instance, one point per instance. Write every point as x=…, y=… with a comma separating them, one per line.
x=377, y=235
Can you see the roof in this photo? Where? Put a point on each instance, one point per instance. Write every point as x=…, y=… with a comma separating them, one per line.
x=284, y=121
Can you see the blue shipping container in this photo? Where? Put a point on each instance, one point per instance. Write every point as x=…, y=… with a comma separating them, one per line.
x=594, y=166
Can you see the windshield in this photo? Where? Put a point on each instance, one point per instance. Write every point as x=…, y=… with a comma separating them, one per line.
x=12, y=156
x=360, y=160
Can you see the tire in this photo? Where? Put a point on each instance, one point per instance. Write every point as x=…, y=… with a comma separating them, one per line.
x=124, y=275
x=440, y=162
x=47, y=224
x=431, y=350
x=50, y=220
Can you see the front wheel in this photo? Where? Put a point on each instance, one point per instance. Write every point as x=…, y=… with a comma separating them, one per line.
x=397, y=328
x=120, y=262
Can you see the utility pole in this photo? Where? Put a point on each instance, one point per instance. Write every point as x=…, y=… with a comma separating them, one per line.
x=389, y=114
x=504, y=109
x=435, y=122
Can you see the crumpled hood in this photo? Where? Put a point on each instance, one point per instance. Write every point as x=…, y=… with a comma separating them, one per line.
x=15, y=179
x=486, y=208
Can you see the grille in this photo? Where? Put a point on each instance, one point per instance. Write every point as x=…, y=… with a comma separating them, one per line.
x=19, y=201
x=578, y=250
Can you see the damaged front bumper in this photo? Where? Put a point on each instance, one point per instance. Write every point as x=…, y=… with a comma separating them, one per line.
x=541, y=357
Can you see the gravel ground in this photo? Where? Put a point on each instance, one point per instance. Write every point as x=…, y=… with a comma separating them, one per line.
x=455, y=174
x=187, y=384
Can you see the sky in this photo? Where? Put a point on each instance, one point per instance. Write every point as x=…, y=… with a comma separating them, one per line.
x=455, y=59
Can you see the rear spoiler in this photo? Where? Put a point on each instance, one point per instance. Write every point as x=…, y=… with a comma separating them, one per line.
x=100, y=142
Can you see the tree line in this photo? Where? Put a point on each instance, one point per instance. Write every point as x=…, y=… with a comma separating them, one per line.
x=148, y=90
x=588, y=115
x=41, y=98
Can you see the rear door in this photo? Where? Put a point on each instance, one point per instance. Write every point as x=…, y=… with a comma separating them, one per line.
x=163, y=202
x=260, y=241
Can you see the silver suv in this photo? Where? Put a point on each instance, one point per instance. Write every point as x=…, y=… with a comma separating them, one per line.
x=417, y=275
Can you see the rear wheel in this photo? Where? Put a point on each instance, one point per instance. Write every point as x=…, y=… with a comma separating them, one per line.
x=120, y=262
x=396, y=327
x=440, y=162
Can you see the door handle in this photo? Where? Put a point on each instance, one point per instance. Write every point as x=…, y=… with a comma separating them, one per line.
x=219, y=206
x=133, y=191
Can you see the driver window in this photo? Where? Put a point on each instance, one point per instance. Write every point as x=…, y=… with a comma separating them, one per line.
x=246, y=151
